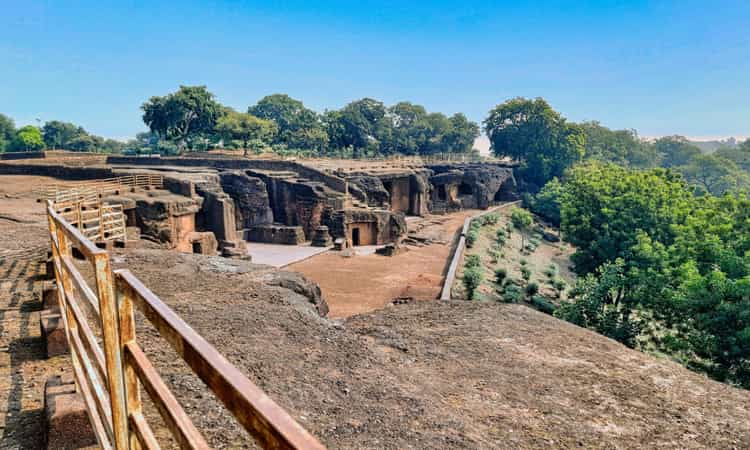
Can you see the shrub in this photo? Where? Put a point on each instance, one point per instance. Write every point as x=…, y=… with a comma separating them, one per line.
x=512, y=293
x=551, y=271
x=523, y=262
x=472, y=279
x=491, y=219
x=532, y=288
x=473, y=261
x=471, y=238
x=494, y=255
x=542, y=304
x=526, y=273
x=500, y=275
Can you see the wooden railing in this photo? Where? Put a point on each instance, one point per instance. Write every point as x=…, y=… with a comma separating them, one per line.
x=94, y=219
x=98, y=188
x=112, y=377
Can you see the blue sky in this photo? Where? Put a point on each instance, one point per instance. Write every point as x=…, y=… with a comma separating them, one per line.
x=661, y=67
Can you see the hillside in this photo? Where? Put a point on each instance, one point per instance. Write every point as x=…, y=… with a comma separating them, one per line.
x=435, y=374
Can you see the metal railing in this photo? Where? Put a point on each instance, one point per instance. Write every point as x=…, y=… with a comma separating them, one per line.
x=97, y=188
x=112, y=377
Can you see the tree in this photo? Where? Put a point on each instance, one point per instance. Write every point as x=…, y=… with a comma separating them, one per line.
x=361, y=125
x=604, y=207
x=521, y=220
x=535, y=134
x=297, y=126
x=546, y=203
x=714, y=174
x=739, y=155
x=28, y=138
x=245, y=128
x=461, y=135
x=7, y=132
x=675, y=150
x=57, y=134
x=182, y=116
x=622, y=147
x=604, y=302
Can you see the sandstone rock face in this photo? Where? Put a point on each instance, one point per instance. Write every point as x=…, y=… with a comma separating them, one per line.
x=470, y=186
x=375, y=193
x=276, y=234
x=374, y=227
x=250, y=197
x=296, y=282
x=322, y=237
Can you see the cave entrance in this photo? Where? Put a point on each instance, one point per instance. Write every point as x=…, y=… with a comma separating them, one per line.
x=465, y=189
x=197, y=248
x=355, y=237
x=442, y=193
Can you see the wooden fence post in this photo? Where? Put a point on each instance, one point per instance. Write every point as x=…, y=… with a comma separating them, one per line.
x=112, y=353
x=132, y=384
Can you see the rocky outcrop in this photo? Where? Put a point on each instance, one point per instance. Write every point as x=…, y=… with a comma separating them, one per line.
x=375, y=193
x=470, y=186
x=296, y=282
x=252, y=206
x=276, y=234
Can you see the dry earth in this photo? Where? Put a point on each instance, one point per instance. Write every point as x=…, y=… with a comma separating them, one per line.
x=425, y=374
x=359, y=284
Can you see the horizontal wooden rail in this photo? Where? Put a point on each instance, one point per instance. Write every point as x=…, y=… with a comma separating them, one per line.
x=268, y=423
x=110, y=376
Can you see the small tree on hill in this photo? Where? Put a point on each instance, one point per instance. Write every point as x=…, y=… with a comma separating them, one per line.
x=522, y=220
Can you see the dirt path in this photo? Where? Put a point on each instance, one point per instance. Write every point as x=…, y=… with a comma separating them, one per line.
x=354, y=285
x=23, y=367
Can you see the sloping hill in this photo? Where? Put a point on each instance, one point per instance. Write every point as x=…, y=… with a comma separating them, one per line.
x=434, y=374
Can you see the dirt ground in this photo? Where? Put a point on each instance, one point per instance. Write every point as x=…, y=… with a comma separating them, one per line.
x=358, y=284
x=424, y=374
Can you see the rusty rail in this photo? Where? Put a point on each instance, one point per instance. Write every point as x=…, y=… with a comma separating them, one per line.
x=111, y=378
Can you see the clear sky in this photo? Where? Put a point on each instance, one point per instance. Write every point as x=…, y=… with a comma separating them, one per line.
x=661, y=67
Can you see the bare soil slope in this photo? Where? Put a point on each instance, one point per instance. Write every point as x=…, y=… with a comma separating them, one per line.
x=436, y=374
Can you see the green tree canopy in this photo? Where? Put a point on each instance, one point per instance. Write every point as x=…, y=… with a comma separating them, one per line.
x=7, y=131
x=28, y=138
x=604, y=207
x=297, y=126
x=675, y=150
x=739, y=155
x=622, y=147
x=532, y=132
x=245, y=127
x=714, y=174
x=361, y=125
x=182, y=116
x=58, y=135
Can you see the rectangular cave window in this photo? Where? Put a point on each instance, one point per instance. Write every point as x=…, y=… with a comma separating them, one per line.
x=197, y=247
x=355, y=236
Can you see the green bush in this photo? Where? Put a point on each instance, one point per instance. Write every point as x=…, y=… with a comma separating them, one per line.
x=473, y=261
x=551, y=271
x=491, y=219
x=523, y=262
x=471, y=238
x=542, y=304
x=526, y=273
x=500, y=275
x=473, y=277
x=532, y=288
x=494, y=255
x=511, y=293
